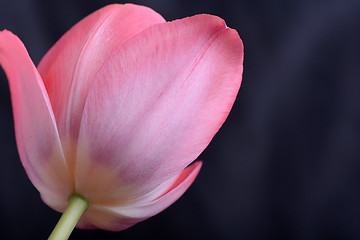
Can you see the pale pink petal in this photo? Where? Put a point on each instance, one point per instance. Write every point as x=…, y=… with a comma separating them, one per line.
x=155, y=105
x=116, y=216
x=69, y=67
x=35, y=128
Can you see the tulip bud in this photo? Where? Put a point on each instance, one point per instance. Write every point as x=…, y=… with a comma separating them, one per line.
x=120, y=107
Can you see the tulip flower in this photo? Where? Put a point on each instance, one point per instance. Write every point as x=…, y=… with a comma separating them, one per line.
x=110, y=122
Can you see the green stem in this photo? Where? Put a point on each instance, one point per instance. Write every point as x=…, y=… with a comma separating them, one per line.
x=76, y=207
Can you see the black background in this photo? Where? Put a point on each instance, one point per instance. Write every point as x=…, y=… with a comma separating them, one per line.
x=286, y=163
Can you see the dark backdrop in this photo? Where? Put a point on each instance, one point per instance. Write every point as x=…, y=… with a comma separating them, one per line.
x=286, y=163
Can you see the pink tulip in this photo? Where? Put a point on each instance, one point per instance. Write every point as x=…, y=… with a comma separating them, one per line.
x=120, y=107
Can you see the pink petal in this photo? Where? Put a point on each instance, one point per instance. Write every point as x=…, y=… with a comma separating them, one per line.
x=69, y=67
x=155, y=105
x=115, y=216
x=35, y=128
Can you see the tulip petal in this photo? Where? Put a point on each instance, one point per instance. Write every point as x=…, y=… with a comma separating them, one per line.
x=116, y=217
x=69, y=67
x=35, y=128
x=161, y=98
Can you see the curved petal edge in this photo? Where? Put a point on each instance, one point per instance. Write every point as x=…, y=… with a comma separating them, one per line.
x=113, y=217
